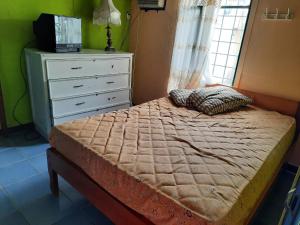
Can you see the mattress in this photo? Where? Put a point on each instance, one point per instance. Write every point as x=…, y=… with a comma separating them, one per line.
x=179, y=166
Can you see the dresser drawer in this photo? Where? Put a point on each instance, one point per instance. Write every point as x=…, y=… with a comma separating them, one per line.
x=71, y=106
x=57, y=121
x=67, y=88
x=59, y=69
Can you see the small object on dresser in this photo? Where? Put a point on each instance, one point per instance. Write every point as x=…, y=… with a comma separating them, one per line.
x=56, y=33
x=107, y=14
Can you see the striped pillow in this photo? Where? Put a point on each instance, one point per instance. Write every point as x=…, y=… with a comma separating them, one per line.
x=215, y=100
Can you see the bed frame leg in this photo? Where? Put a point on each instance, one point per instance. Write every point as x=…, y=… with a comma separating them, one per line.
x=52, y=176
x=53, y=183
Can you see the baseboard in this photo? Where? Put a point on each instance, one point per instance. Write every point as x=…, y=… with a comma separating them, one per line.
x=10, y=130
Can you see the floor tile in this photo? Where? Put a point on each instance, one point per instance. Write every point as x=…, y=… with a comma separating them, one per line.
x=47, y=210
x=40, y=162
x=29, y=190
x=14, y=218
x=4, y=148
x=96, y=217
x=33, y=150
x=10, y=156
x=271, y=208
x=6, y=207
x=77, y=199
x=77, y=218
x=16, y=173
x=25, y=185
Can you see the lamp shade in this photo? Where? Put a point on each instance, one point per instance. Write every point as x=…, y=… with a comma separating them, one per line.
x=107, y=13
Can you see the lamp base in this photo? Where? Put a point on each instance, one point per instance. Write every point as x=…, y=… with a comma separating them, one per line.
x=110, y=49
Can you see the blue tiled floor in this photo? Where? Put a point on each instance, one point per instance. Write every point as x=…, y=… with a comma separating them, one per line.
x=25, y=197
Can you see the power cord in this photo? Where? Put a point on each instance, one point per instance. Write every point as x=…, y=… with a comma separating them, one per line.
x=32, y=135
x=129, y=24
x=14, y=111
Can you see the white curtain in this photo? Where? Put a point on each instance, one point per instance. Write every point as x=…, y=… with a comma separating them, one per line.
x=196, y=19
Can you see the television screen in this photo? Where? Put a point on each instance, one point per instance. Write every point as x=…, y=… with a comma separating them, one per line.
x=67, y=30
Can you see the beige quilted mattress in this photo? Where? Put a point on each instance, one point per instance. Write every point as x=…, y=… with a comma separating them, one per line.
x=178, y=166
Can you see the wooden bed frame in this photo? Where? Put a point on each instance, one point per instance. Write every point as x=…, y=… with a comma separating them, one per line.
x=115, y=210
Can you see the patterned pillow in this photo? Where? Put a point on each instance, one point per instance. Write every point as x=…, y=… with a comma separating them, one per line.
x=216, y=100
x=195, y=99
x=179, y=96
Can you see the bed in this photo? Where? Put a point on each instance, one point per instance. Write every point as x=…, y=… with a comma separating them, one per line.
x=159, y=164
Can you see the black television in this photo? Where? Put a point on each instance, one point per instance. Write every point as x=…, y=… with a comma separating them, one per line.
x=56, y=33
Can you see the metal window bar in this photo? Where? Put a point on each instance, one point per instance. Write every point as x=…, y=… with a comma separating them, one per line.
x=243, y=38
x=214, y=64
x=235, y=7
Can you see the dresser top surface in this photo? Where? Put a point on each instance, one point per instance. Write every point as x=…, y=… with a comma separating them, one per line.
x=82, y=52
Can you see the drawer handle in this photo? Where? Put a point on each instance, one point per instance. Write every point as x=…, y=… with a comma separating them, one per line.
x=112, y=66
x=112, y=98
x=80, y=103
x=76, y=68
x=78, y=86
x=110, y=82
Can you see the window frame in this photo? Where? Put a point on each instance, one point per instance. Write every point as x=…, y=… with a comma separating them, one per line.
x=243, y=38
x=247, y=26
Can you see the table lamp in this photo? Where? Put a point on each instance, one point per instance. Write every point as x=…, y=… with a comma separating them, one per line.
x=107, y=14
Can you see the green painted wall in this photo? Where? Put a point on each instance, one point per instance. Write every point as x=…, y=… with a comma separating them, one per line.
x=16, y=18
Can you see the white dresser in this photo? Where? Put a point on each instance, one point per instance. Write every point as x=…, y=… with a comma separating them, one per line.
x=67, y=86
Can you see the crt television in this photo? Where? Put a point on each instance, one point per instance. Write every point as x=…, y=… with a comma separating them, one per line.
x=56, y=33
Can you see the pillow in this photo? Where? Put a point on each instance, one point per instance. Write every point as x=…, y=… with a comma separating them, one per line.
x=179, y=96
x=197, y=97
x=215, y=100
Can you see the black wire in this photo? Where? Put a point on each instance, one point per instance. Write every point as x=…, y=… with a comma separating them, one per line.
x=25, y=92
x=129, y=24
x=31, y=135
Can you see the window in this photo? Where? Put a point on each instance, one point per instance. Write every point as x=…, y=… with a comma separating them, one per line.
x=227, y=40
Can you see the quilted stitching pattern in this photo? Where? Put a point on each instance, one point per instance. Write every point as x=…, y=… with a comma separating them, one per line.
x=203, y=163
